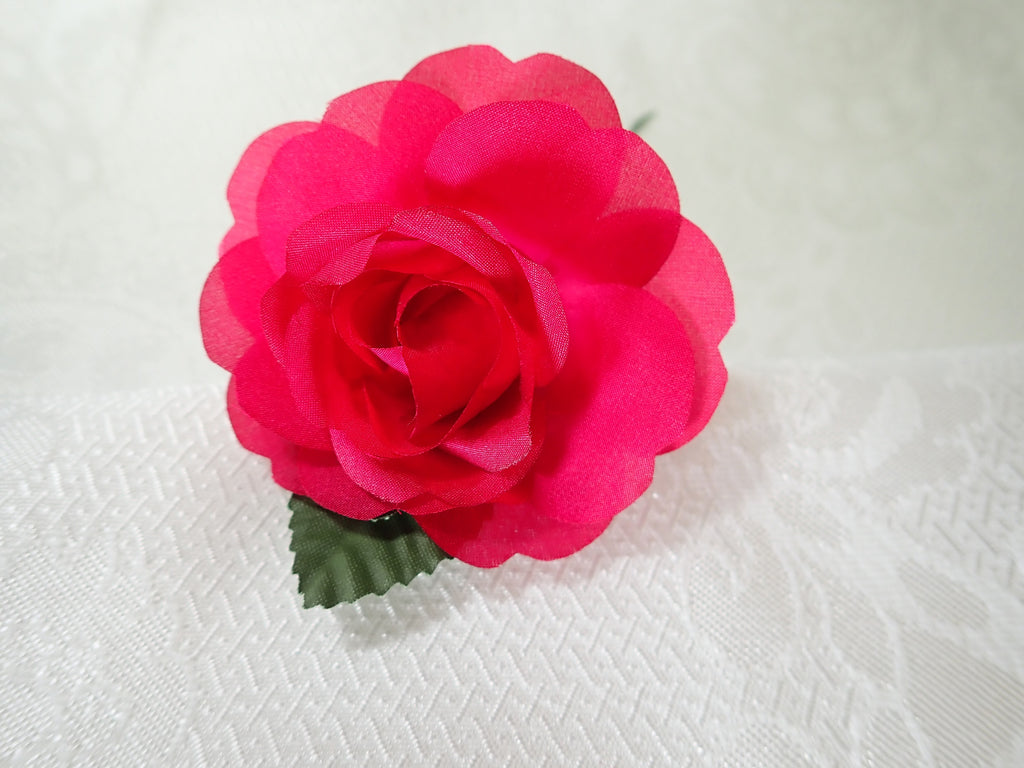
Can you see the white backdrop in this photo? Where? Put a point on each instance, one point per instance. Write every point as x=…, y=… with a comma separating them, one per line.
x=831, y=574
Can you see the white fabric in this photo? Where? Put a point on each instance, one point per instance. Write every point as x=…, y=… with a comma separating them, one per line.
x=830, y=575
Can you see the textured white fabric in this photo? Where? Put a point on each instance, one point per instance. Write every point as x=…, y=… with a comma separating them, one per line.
x=829, y=575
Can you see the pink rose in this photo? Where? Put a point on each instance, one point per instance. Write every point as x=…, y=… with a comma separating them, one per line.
x=468, y=294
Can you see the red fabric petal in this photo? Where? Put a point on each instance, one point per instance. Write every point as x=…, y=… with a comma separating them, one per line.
x=499, y=437
x=249, y=174
x=402, y=119
x=627, y=247
x=246, y=278
x=547, y=307
x=449, y=339
x=251, y=434
x=263, y=393
x=329, y=486
x=623, y=394
x=258, y=439
x=310, y=174
x=458, y=235
x=334, y=245
x=694, y=284
x=533, y=169
x=489, y=534
x=224, y=337
x=477, y=75
x=639, y=226
x=435, y=473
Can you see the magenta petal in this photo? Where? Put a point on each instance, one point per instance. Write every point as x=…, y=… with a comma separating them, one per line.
x=330, y=486
x=628, y=247
x=359, y=111
x=458, y=234
x=311, y=173
x=372, y=473
x=251, y=434
x=548, y=306
x=337, y=241
x=694, y=284
x=248, y=177
x=489, y=534
x=636, y=231
x=605, y=430
x=498, y=438
x=477, y=75
x=533, y=169
x=224, y=337
x=246, y=278
x=402, y=119
x=258, y=439
x=263, y=393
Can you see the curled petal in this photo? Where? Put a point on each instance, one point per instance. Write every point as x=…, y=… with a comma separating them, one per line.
x=331, y=240
x=312, y=173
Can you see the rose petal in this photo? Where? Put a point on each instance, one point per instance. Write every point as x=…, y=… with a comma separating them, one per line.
x=312, y=173
x=489, y=534
x=533, y=169
x=334, y=245
x=623, y=395
x=245, y=182
x=224, y=337
x=456, y=482
x=449, y=339
x=627, y=247
x=547, y=306
x=402, y=119
x=262, y=441
x=459, y=236
x=477, y=75
x=263, y=393
x=329, y=486
x=246, y=278
x=499, y=437
x=694, y=284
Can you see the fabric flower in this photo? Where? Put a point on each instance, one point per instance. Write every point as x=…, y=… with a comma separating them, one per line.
x=469, y=295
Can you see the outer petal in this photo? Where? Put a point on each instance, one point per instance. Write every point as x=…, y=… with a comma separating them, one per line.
x=533, y=169
x=477, y=75
x=488, y=535
x=229, y=308
x=246, y=278
x=263, y=393
x=329, y=486
x=248, y=177
x=623, y=395
x=309, y=174
x=224, y=337
x=402, y=119
x=639, y=225
x=694, y=284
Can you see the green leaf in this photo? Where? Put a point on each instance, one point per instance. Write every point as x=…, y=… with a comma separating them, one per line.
x=339, y=559
x=641, y=122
